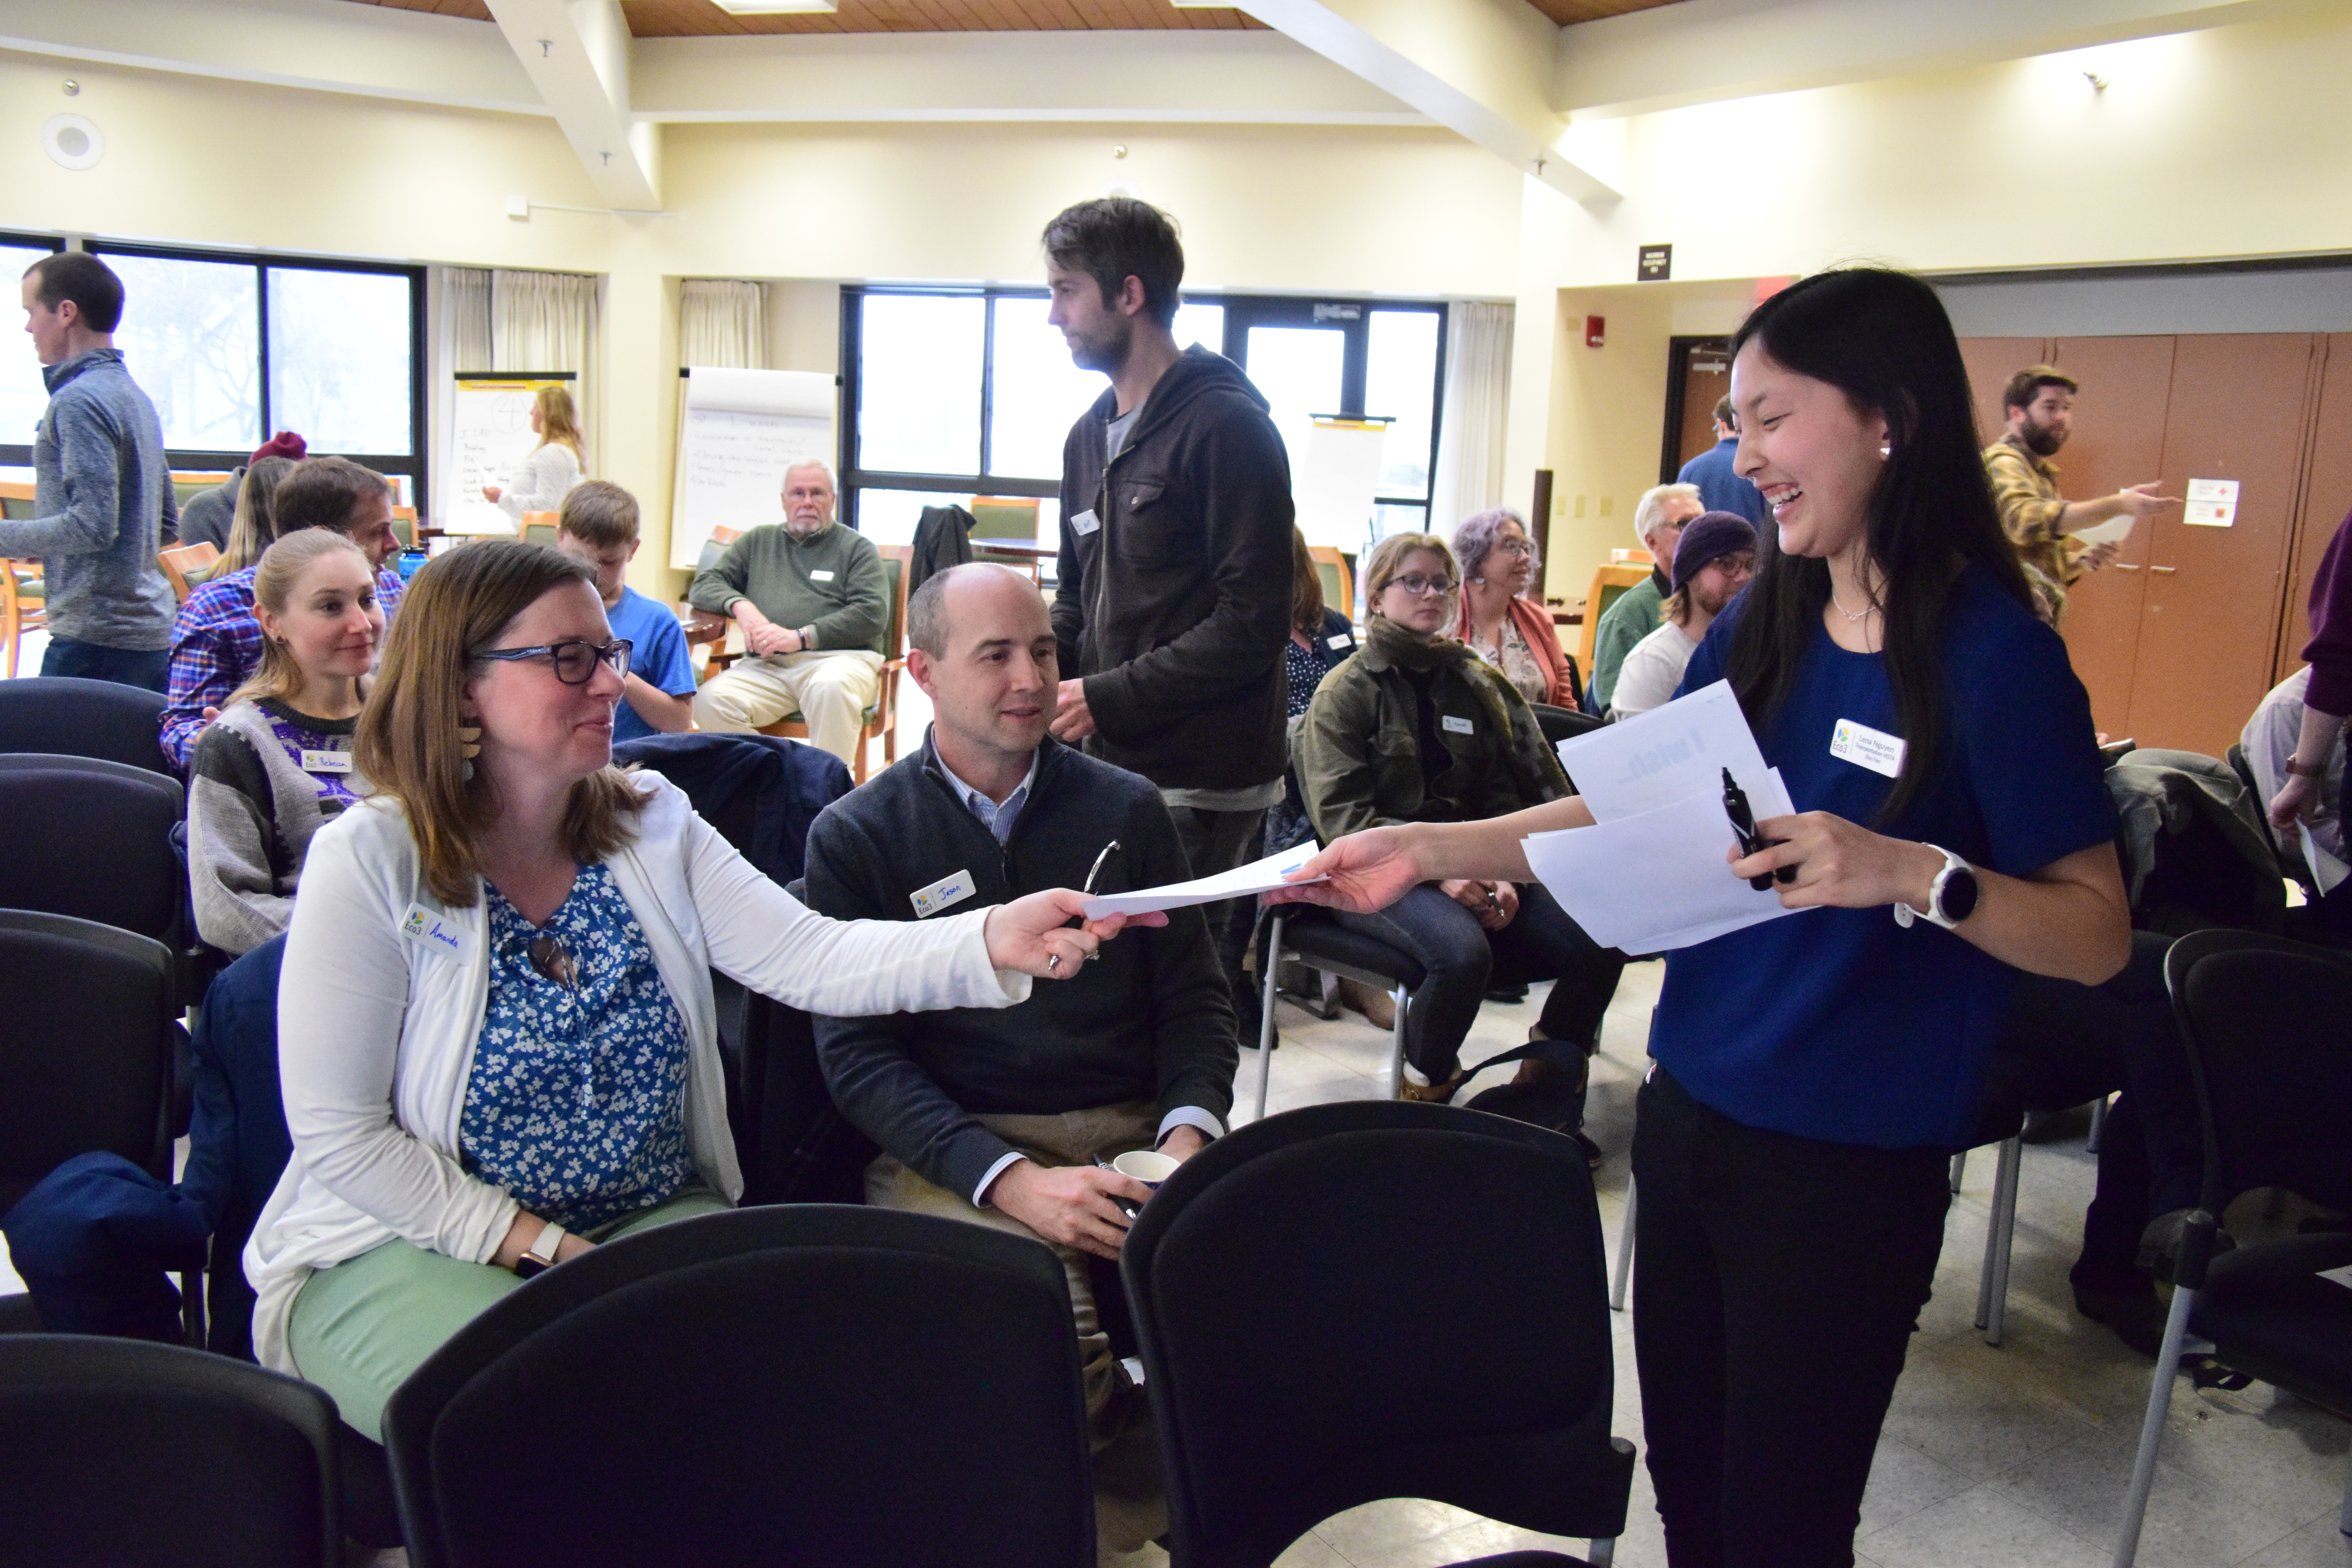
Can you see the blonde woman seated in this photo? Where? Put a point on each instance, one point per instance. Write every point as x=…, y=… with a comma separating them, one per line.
x=275, y=766
x=495, y=1020
x=547, y=475
x=1417, y=727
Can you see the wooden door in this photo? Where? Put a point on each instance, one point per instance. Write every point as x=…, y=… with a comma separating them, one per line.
x=2118, y=440
x=1991, y=362
x=1706, y=381
x=2210, y=612
x=2326, y=501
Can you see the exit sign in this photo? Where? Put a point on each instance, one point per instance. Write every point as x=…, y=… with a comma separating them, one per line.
x=1656, y=264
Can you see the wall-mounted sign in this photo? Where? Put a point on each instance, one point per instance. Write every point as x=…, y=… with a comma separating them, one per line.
x=1656, y=264
x=2212, y=503
x=1338, y=312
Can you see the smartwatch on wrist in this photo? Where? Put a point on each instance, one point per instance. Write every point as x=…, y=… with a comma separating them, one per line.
x=1951, y=897
x=539, y=1256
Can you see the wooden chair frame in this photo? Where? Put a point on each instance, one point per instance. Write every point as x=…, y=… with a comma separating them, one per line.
x=1603, y=577
x=183, y=559
x=1330, y=555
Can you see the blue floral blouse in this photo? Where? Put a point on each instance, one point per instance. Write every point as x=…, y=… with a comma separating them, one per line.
x=577, y=1099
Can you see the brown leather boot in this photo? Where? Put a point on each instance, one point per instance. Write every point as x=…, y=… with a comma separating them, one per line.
x=1430, y=1093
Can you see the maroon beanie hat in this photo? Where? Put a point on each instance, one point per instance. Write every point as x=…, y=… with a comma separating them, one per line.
x=284, y=444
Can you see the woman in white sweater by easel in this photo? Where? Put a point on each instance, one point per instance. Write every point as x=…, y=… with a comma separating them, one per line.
x=553, y=466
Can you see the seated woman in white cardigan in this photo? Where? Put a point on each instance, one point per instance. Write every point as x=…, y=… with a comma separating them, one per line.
x=495, y=1020
x=554, y=467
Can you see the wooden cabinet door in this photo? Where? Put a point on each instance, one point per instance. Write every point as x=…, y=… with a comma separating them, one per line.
x=2210, y=610
x=1991, y=362
x=2326, y=501
x=2118, y=440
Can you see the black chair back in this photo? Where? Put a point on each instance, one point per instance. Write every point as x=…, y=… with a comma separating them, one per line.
x=94, y=845
x=2262, y=1021
x=1377, y=1300
x=810, y=1384
x=86, y=719
x=132, y=1454
x=86, y=1042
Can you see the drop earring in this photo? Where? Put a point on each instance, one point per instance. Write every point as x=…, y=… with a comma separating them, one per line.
x=469, y=745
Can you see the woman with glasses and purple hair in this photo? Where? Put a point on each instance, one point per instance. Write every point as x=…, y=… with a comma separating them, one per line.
x=497, y=1036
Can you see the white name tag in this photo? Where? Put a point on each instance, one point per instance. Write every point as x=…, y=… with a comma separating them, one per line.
x=1085, y=522
x=1339, y=642
x=1867, y=748
x=942, y=894
x=435, y=934
x=325, y=762
x=1454, y=726
x=820, y=576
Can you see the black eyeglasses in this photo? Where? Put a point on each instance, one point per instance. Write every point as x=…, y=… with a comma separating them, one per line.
x=575, y=659
x=1417, y=584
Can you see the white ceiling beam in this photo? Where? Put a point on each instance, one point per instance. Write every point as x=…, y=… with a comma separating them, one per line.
x=576, y=52
x=1482, y=68
x=1705, y=51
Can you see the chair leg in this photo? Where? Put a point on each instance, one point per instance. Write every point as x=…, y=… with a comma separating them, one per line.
x=2344, y=1518
x=1266, y=1013
x=1993, y=1289
x=1960, y=1167
x=1621, y=1273
x=191, y=1308
x=1601, y=1552
x=2151, y=1428
x=2098, y=1125
x=1402, y=1001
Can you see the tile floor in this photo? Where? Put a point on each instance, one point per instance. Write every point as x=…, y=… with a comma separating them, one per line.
x=2017, y=1455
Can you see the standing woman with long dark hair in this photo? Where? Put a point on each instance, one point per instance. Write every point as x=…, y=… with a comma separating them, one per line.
x=1813, y=1073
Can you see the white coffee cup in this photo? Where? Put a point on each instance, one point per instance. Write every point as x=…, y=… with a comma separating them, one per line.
x=1146, y=1166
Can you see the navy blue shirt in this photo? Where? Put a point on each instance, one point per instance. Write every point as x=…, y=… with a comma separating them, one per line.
x=657, y=654
x=1720, y=487
x=1839, y=1024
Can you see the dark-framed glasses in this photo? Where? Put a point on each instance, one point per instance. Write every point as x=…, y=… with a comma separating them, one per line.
x=1417, y=584
x=575, y=659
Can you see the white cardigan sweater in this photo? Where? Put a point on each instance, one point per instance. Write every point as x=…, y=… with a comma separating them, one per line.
x=545, y=478
x=385, y=988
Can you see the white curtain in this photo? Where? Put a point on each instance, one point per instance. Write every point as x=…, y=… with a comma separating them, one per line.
x=459, y=302
x=547, y=321
x=466, y=318
x=1477, y=403
x=722, y=323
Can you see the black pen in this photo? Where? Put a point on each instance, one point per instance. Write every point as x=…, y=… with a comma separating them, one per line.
x=1743, y=823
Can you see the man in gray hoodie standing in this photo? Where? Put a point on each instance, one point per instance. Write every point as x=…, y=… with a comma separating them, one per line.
x=102, y=490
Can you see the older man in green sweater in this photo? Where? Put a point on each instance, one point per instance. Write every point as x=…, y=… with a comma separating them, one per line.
x=810, y=595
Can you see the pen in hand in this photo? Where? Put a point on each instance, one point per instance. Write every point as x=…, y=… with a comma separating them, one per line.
x=1743, y=823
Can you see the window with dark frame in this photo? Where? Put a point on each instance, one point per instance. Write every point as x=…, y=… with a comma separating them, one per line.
x=949, y=394
x=232, y=346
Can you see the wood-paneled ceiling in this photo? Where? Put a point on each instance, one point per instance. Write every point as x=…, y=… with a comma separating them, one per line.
x=700, y=18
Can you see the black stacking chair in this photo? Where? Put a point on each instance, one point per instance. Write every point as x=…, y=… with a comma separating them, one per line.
x=1310, y=936
x=806, y=1384
x=85, y=719
x=93, y=840
x=2262, y=1021
x=146, y=1456
x=1273, y=1277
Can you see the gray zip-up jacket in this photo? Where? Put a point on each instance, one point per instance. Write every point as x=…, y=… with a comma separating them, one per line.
x=101, y=495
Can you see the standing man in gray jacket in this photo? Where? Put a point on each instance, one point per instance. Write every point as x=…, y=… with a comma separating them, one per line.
x=102, y=489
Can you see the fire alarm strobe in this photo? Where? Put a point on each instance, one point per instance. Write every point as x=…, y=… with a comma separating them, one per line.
x=1596, y=331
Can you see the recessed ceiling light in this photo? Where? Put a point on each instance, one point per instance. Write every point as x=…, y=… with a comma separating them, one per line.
x=773, y=7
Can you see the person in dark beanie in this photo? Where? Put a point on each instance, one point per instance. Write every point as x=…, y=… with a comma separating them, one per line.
x=207, y=517
x=1173, y=606
x=101, y=490
x=1713, y=562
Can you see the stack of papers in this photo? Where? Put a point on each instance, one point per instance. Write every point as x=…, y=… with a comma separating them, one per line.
x=1651, y=875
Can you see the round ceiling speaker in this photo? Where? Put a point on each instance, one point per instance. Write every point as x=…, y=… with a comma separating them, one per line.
x=72, y=142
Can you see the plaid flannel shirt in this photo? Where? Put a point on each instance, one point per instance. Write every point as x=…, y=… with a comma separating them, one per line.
x=2025, y=489
x=215, y=647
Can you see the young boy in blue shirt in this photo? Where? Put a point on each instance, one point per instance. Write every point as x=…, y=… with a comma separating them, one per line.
x=599, y=527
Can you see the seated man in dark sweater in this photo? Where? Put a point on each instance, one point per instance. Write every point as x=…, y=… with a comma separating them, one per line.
x=998, y=1118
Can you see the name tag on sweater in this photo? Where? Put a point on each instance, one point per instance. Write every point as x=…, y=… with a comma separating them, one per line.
x=820, y=576
x=1454, y=726
x=1867, y=748
x=325, y=762
x=435, y=934
x=942, y=894
x=1085, y=522
x=1339, y=642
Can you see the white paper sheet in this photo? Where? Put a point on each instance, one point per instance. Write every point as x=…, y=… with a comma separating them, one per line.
x=2325, y=868
x=1257, y=877
x=1659, y=880
x=2341, y=1276
x=2111, y=532
x=1665, y=755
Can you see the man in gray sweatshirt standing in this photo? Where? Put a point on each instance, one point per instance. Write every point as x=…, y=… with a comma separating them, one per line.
x=102, y=490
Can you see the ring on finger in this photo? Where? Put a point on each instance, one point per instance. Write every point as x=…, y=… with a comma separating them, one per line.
x=1053, y=962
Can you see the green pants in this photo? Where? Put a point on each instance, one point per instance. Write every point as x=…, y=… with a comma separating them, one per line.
x=359, y=1327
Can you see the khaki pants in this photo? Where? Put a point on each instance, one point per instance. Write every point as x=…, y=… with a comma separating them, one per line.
x=1130, y=1499
x=831, y=689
